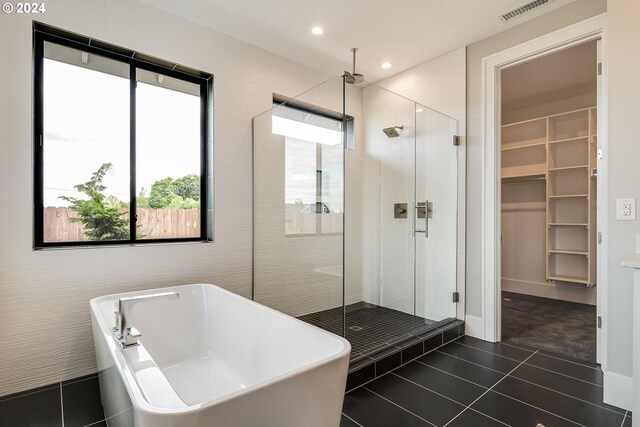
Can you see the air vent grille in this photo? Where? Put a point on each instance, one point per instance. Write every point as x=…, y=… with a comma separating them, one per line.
x=506, y=17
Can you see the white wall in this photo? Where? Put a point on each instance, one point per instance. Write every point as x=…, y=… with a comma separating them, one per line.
x=44, y=295
x=388, y=178
x=621, y=70
x=559, y=18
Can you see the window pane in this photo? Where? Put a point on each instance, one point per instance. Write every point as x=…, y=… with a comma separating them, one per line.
x=332, y=188
x=168, y=157
x=85, y=146
x=300, y=186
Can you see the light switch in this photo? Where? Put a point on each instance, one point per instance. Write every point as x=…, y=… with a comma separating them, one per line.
x=626, y=209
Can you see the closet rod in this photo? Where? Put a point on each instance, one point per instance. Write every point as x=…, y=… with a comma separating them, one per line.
x=522, y=180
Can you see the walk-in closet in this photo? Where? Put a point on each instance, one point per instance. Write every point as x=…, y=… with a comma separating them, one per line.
x=548, y=193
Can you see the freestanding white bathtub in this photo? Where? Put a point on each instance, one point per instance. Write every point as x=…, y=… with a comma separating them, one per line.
x=213, y=358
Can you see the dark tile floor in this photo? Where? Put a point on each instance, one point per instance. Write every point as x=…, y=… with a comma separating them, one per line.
x=74, y=403
x=466, y=383
x=474, y=383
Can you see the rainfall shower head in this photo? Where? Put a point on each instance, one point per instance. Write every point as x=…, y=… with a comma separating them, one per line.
x=392, y=132
x=353, y=77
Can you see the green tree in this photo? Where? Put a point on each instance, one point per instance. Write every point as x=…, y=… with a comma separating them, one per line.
x=101, y=215
x=187, y=187
x=142, y=200
x=161, y=193
x=181, y=193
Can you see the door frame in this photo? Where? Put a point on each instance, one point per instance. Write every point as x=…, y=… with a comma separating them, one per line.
x=590, y=29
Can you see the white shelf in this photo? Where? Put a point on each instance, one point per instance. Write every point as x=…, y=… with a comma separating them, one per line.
x=568, y=252
x=573, y=279
x=559, y=150
x=578, y=138
x=568, y=196
x=565, y=168
x=518, y=147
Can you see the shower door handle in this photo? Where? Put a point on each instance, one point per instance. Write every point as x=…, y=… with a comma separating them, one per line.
x=422, y=211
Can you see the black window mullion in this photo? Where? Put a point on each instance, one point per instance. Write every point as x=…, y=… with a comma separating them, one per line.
x=38, y=125
x=132, y=154
x=204, y=141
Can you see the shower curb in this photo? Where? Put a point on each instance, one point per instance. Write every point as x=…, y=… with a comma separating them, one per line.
x=387, y=360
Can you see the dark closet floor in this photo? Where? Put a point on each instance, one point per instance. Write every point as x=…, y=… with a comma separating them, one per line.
x=562, y=328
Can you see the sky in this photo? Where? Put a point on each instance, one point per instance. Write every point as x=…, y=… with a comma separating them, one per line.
x=86, y=124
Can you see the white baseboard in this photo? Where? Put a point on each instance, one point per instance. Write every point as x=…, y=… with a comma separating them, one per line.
x=618, y=390
x=474, y=326
x=559, y=291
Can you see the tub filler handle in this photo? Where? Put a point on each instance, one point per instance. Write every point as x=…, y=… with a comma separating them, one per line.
x=126, y=334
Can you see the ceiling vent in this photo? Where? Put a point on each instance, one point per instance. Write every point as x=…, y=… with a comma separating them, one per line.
x=525, y=8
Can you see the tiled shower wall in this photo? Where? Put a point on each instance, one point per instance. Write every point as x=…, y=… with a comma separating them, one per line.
x=44, y=295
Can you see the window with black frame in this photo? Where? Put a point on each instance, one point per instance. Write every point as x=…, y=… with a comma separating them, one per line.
x=122, y=143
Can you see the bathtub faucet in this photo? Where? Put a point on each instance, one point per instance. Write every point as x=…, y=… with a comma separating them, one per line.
x=127, y=334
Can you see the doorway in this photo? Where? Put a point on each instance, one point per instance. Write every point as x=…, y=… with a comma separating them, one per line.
x=548, y=172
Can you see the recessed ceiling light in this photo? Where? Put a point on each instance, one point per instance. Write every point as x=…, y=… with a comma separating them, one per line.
x=386, y=65
x=419, y=110
x=317, y=30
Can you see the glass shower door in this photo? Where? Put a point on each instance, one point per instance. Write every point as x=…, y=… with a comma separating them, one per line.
x=435, y=213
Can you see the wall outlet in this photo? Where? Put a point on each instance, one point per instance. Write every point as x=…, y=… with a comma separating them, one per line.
x=626, y=209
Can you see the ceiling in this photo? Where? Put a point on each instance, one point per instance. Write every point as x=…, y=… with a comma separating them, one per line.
x=559, y=72
x=403, y=32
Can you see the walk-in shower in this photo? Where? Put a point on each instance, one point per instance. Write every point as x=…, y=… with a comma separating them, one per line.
x=354, y=233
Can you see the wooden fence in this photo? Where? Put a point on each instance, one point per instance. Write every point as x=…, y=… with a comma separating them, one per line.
x=312, y=223
x=153, y=224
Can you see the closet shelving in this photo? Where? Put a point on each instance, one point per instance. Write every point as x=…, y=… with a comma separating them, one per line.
x=560, y=149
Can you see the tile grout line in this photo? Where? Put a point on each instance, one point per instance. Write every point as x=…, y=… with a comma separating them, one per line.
x=485, y=415
x=106, y=420
x=540, y=409
x=449, y=373
x=45, y=388
x=95, y=422
x=29, y=393
x=564, y=375
x=491, y=352
x=514, y=360
x=346, y=416
x=548, y=388
x=624, y=418
x=428, y=389
x=553, y=357
x=404, y=409
x=61, y=405
x=473, y=363
x=489, y=389
x=401, y=364
x=567, y=395
x=69, y=382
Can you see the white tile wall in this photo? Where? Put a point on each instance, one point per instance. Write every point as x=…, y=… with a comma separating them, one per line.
x=44, y=295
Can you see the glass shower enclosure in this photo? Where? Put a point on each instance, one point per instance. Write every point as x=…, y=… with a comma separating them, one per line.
x=355, y=213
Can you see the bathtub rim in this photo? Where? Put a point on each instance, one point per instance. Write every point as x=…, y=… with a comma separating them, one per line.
x=127, y=376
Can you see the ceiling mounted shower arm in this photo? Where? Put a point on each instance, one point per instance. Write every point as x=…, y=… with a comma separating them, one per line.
x=354, y=50
x=353, y=77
